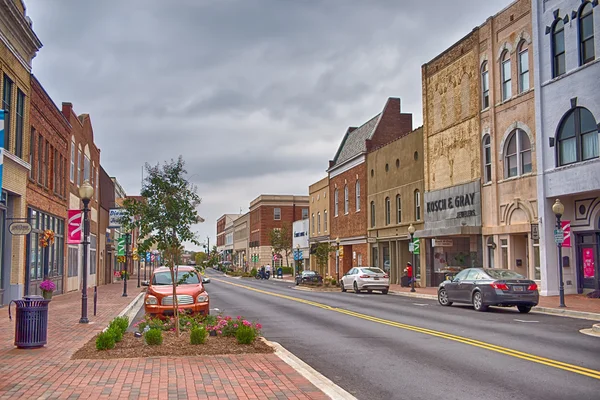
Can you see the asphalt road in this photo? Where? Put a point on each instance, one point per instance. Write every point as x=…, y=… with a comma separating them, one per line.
x=395, y=347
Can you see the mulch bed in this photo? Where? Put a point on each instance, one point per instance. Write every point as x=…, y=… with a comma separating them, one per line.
x=132, y=347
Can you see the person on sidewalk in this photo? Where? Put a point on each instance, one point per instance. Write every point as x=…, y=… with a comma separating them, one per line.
x=409, y=272
x=268, y=271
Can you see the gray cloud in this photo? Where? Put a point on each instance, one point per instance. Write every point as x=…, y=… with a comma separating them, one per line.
x=255, y=95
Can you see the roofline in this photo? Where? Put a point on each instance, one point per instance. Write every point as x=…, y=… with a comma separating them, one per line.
x=456, y=44
x=362, y=153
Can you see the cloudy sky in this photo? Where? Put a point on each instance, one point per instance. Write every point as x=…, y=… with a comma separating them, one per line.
x=255, y=94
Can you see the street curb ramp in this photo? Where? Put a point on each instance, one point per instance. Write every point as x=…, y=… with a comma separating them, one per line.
x=321, y=382
x=131, y=310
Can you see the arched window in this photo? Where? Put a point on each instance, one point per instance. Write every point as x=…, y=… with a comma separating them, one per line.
x=558, y=48
x=345, y=199
x=586, y=33
x=372, y=214
x=485, y=86
x=506, y=77
x=577, y=137
x=398, y=209
x=487, y=159
x=417, y=205
x=387, y=210
x=517, y=158
x=335, y=203
x=523, y=66
x=357, y=195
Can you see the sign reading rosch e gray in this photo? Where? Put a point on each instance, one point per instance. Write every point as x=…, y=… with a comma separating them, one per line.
x=464, y=200
x=454, y=206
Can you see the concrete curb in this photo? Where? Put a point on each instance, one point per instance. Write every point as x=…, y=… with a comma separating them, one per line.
x=322, y=383
x=308, y=289
x=415, y=295
x=131, y=309
x=593, y=331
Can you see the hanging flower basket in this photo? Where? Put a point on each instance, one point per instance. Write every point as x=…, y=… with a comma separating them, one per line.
x=121, y=259
x=46, y=238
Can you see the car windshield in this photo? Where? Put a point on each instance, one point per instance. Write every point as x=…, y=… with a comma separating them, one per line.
x=164, y=278
x=309, y=273
x=503, y=274
x=372, y=271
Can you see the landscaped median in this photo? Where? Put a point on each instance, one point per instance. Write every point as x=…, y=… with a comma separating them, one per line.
x=200, y=335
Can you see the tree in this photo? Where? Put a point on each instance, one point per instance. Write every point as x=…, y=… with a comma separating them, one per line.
x=281, y=241
x=200, y=257
x=165, y=215
x=322, y=253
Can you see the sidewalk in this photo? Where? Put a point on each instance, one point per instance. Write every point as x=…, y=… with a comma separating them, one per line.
x=49, y=372
x=578, y=305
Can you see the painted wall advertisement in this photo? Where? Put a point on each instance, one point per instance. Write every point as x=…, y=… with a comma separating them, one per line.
x=588, y=263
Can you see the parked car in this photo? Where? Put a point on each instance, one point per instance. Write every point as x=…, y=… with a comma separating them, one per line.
x=308, y=277
x=191, y=296
x=205, y=279
x=489, y=287
x=365, y=278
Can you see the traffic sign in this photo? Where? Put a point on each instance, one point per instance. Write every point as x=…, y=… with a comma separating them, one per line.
x=411, y=247
x=559, y=236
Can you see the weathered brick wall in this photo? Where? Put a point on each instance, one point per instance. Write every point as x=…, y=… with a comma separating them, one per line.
x=355, y=222
x=392, y=124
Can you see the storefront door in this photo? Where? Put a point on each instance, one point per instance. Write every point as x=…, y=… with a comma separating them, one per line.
x=587, y=261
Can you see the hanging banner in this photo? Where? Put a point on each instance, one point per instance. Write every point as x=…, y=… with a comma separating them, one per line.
x=148, y=257
x=566, y=227
x=121, y=246
x=588, y=263
x=1, y=145
x=74, y=226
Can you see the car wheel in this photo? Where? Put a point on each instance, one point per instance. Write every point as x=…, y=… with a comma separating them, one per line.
x=356, y=288
x=478, y=302
x=384, y=291
x=342, y=286
x=524, y=309
x=443, y=298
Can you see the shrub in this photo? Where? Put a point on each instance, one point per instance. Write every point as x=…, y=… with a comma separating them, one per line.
x=210, y=320
x=245, y=334
x=105, y=341
x=153, y=337
x=198, y=335
x=120, y=323
x=333, y=282
x=116, y=332
x=253, y=272
x=154, y=323
x=286, y=270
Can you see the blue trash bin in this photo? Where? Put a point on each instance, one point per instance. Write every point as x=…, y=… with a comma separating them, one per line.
x=31, y=322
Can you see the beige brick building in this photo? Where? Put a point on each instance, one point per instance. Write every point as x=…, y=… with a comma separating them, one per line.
x=15, y=87
x=319, y=222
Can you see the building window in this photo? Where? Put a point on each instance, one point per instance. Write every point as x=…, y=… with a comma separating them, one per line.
x=40, y=222
x=92, y=254
x=523, y=67
x=518, y=154
x=20, y=123
x=558, y=48
x=277, y=214
x=586, y=33
x=72, y=172
x=325, y=220
x=318, y=222
x=504, y=248
x=32, y=154
x=485, y=86
x=346, y=199
x=40, y=156
x=313, y=223
x=304, y=212
x=335, y=202
x=6, y=106
x=506, y=77
x=55, y=173
x=398, y=209
x=46, y=163
x=387, y=210
x=577, y=137
x=490, y=250
x=73, y=260
x=357, y=195
x=372, y=214
x=86, y=169
x=487, y=158
x=80, y=168
x=417, y=205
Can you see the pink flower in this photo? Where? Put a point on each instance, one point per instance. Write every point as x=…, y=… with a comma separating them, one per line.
x=189, y=323
x=247, y=323
x=235, y=325
x=239, y=317
x=228, y=318
x=219, y=317
x=258, y=326
x=219, y=332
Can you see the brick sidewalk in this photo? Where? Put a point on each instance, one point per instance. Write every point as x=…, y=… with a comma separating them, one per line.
x=49, y=373
x=574, y=302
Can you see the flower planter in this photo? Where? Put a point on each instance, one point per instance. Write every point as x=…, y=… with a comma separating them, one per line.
x=47, y=294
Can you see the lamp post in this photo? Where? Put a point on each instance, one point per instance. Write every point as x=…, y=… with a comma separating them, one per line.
x=337, y=258
x=411, y=231
x=86, y=191
x=127, y=240
x=297, y=259
x=139, y=261
x=558, y=209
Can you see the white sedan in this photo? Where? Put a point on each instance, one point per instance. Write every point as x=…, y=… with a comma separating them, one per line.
x=365, y=278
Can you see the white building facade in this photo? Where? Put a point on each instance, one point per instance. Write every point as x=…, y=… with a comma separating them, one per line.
x=300, y=242
x=567, y=105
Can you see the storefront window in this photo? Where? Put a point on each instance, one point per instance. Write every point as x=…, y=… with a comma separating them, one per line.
x=490, y=250
x=40, y=222
x=536, y=260
x=504, y=247
x=2, y=226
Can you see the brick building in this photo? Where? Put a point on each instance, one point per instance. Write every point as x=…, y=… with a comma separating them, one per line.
x=348, y=182
x=241, y=233
x=268, y=212
x=319, y=222
x=84, y=164
x=46, y=190
x=18, y=47
x=225, y=231
x=106, y=243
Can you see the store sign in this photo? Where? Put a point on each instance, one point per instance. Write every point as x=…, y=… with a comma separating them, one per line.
x=454, y=206
x=74, y=226
x=535, y=231
x=442, y=243
x=115, y=217
x=20, y=228
x=588, y=263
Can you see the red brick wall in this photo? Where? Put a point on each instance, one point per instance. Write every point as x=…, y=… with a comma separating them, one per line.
x=220, y=229
x=392, y=124
x=355, y=223
x=262, y=220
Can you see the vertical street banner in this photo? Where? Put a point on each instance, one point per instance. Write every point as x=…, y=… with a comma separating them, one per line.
x=121, y=246
x=1, y=145
x=416, y=246
x=148, y=257
x=566, y=227
x=74, y=226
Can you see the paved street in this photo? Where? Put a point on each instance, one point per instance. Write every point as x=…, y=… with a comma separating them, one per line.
x=394, y=347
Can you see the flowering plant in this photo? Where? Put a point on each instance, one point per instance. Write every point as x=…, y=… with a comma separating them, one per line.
x=124, y=274
x=47, y=238
x=48, y=286
x=227, y=326
x=121, y=259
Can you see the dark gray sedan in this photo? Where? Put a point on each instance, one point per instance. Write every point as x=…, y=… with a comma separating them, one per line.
x=484, y=287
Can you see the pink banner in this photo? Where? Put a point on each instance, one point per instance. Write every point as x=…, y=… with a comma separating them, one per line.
x=588, y=263
x=566, y=227
x=74, y=226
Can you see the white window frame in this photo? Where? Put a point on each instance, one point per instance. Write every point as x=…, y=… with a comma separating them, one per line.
x=487, y=158
x=506, y=80
x=357, y=195
x=346, y=200
x=523, y=52
x=417, y=205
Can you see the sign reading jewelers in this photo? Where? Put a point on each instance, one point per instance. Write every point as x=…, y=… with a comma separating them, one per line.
x=74, y=226
x=455, y=206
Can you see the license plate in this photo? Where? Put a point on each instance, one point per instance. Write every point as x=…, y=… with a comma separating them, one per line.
x=376, y=278
x=518, y=288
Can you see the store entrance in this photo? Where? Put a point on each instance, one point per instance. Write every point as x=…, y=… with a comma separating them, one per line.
x=587, y=261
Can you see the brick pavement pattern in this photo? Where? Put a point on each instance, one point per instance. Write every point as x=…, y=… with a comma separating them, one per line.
x=49, y=373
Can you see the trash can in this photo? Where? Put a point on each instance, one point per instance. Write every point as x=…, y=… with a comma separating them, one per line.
x=404, y=281
x=31, y=322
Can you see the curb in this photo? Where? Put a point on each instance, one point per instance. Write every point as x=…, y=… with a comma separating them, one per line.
x=307, y=289
x=593, y=331
x=131, y=309
x=321, y=382
x=415, y=295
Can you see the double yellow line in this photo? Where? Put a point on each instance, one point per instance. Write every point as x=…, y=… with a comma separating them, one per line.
x=461, y=339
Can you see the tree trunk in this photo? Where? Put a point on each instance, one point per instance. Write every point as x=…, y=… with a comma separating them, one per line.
x=175, y=302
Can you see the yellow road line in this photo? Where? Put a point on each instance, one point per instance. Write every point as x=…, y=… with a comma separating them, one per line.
x=461, y=339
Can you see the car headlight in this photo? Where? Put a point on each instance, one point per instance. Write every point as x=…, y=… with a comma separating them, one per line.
x=151, y=300
x=202, y=298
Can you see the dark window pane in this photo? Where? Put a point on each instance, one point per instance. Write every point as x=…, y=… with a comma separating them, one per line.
x=512, y=165
x=512, y=145
x=525, y=144
x=526, y=160
x=559, y=41
x=588, y=50
x=587, y=121
x=567, y=129
x=587, y=27
x=560, y=64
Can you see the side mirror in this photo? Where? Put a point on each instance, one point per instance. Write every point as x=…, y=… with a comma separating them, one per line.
x=145, y=283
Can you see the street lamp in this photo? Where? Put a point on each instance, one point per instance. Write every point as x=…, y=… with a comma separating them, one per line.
x=297, y=259
x=558, y=209
x=411, y=231
x=127, y=242
x=86, y=191
x=337, y=258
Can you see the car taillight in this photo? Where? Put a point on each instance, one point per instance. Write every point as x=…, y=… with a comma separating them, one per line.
x=499, y=285
x=364, y=276
x=532, y=287
x=386, y=276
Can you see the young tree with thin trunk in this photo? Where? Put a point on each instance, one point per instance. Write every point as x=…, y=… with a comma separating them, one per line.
x=165, y=215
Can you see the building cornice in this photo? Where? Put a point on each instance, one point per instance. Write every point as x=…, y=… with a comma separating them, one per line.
x=12, y=20
x=347, y=165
